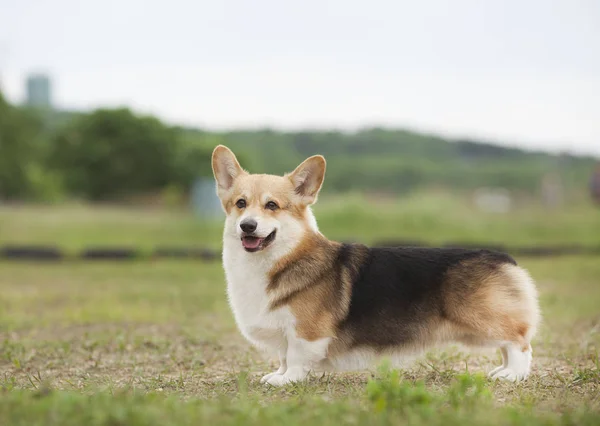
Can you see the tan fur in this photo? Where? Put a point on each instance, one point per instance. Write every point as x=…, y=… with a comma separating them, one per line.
x=308, y=281
x=498, y=304
x=483, y=303
x=294, y=191
x=493, y=305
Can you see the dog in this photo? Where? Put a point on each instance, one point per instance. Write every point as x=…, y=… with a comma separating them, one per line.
x=321, y=305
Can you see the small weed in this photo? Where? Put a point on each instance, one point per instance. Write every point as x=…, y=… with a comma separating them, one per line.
x=389, y=392
x=13, y=352
x=588, y=374
x=469, y=391
x=8, y=383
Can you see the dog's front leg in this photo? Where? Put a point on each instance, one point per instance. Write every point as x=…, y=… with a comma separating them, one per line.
x=302, y=356
x=282, y=365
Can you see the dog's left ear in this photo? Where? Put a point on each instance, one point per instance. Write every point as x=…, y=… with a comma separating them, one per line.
x=308, y=178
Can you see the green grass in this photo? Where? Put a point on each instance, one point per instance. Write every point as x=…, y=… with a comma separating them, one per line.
x=141, y=341
x=389, y=400
x=434, y=218
x=155, y=343
x=438, y=218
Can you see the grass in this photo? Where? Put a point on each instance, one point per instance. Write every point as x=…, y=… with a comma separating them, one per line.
x=155, y=343
x=145, y=340
x=434, y=218
x=389, y=400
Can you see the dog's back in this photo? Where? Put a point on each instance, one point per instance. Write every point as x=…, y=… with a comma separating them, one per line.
x=410, y=298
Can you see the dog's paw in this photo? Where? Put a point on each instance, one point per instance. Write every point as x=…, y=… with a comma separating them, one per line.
x=508, y=374
x=266, y=377
x=277, y=380
x=492, y=373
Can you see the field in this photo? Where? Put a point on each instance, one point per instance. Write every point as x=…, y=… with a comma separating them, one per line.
x=153, y=342
x=434, y=218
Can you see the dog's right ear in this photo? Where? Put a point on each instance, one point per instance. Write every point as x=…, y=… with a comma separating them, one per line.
x=225, y=168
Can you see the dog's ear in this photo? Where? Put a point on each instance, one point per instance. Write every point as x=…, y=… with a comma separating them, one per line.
x=225, y=168
x=308, y=178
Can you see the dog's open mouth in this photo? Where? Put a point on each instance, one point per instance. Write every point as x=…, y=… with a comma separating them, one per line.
x=252, y=243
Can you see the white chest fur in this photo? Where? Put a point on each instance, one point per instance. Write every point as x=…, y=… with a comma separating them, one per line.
x=247, y=280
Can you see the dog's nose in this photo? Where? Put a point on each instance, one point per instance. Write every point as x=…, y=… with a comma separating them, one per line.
x=248, y=225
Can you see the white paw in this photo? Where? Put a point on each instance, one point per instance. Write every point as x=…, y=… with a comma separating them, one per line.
x=510, y=375
x=277, y=380
x=266, y=377
x=495, y=370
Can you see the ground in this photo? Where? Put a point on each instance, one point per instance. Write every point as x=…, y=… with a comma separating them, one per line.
x=154, y=342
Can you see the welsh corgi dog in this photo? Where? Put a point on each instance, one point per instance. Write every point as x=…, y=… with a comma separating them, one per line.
x=321, y=305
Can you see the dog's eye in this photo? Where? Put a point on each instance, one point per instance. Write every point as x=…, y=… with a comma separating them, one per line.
x=241, y=203
x=271, y=205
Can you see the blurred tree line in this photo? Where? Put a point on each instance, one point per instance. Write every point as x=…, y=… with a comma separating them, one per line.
x=111, y=154
x=102, y=155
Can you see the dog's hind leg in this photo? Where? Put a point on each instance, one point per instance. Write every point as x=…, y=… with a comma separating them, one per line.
x=501, y=311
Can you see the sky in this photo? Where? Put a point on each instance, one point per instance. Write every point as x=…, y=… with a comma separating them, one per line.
x=519, y=73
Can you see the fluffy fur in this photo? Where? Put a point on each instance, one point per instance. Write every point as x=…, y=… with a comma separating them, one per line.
x=321, y=305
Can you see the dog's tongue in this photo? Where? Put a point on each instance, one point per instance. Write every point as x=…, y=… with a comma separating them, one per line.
x=251, y=242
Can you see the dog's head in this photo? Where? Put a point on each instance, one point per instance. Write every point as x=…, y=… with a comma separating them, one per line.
x=266, y=210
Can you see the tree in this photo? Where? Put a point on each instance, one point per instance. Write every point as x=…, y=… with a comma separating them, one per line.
x=112, y=153
x=19, y=132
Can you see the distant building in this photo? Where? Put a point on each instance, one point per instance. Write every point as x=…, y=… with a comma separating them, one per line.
x=493, y=200
x=39, y=91
x=552, y=190
x=204, y=200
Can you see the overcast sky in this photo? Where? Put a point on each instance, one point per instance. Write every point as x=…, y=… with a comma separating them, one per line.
x=523, y=73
